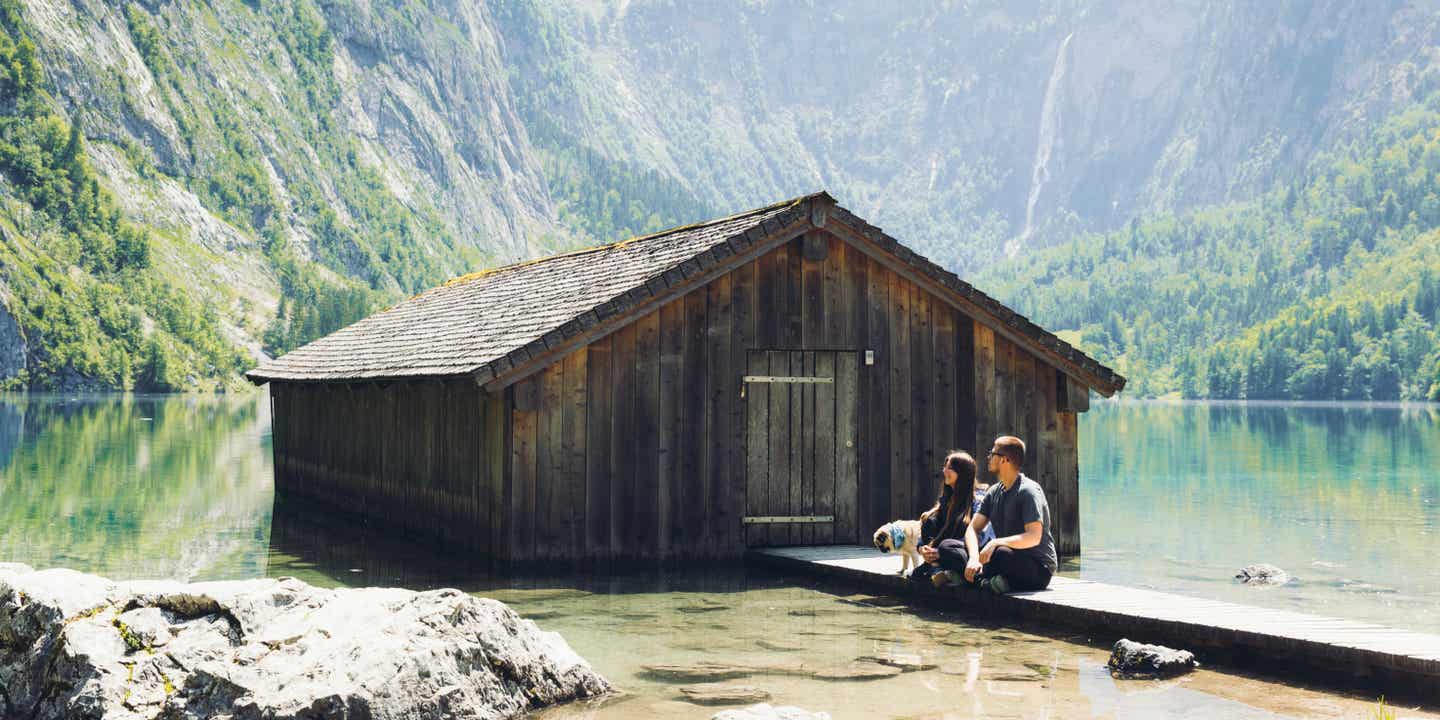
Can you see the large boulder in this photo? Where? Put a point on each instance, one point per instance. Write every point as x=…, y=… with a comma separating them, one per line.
x=79, y=646
x=1130, y=659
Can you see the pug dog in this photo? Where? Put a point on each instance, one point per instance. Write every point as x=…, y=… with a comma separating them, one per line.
x=903, y=537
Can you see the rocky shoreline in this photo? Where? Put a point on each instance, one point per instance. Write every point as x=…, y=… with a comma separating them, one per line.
x=74, y=645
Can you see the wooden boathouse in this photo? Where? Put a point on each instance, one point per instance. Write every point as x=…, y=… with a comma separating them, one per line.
x=789, y=375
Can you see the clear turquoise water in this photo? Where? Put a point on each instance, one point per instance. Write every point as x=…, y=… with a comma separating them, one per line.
x=1346, y=498
x=1174, y=497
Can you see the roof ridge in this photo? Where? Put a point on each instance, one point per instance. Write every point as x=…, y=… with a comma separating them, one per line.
x=478, y=274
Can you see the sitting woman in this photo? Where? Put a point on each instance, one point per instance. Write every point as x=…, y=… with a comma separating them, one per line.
x=943, y=527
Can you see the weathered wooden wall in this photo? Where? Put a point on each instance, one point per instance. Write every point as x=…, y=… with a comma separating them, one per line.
x=634, y=448
x=410, y=455
x=1019, y=394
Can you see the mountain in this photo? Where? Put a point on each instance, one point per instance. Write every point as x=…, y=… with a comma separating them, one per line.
x=1327, y=287
x=252, y=174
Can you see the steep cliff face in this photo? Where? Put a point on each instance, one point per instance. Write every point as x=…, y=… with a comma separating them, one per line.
x=969, y=128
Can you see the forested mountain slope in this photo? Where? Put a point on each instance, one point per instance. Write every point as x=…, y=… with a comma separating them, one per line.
x=1324, y=288
x=260, y=173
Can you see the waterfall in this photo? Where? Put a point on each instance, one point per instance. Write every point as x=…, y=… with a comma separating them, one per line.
x=1045, y=143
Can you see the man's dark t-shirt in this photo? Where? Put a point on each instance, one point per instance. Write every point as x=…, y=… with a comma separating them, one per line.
x=1009, y=511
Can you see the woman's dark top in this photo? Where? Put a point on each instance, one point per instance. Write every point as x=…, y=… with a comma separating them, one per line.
x=930, y=529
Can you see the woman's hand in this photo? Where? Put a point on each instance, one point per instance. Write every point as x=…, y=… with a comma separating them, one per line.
x=930, y=554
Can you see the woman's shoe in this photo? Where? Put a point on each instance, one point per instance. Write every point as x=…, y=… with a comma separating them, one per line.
x=941, y=578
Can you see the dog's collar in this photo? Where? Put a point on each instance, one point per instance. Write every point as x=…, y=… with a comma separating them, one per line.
x=897, y=536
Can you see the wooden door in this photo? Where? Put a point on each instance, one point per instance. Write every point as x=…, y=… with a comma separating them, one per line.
x=801, y=470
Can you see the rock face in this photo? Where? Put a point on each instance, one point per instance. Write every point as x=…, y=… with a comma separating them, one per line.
x=1130, y=659
x=79, y=646
x=12, y=340
x=1262, y=574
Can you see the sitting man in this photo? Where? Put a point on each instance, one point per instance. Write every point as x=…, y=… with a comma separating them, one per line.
x=1022, y=554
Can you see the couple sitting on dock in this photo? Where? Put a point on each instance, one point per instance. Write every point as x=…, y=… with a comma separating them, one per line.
x=1001, y=540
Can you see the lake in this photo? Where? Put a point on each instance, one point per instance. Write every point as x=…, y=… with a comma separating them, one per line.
x=1174, y=496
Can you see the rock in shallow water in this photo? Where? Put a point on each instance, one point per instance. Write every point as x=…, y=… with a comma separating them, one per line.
x=79, y=646
x=1130, y=659
x=1262, y=574
x=723, y=694
x=765, y=711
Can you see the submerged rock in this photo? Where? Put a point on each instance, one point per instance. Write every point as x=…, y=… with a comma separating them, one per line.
x=79, y=646
x=723, y=694
x=1130, y=659
x=1262, y=574
x=858, y=670
x=764, y=711
x=696, y=672
x=906, y=662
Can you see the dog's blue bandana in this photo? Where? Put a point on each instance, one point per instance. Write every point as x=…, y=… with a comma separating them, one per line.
x=897, y=536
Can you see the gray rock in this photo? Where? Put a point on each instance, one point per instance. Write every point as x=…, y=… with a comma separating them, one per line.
x=13, y=350
x=723, y=694
x=79, y=646
x=764, y=711
x=1262, y=574
x=1130, y=659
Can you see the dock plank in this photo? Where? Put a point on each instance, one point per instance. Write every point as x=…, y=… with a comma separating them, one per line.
x=1395, y=657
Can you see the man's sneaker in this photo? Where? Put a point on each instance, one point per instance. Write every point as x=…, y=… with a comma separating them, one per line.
x=998, y=585
x=941, y=578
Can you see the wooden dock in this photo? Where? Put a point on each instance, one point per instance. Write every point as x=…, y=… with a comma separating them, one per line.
x=1373, y=657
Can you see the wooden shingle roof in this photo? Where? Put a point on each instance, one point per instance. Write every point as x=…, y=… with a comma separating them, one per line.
x=494, y=322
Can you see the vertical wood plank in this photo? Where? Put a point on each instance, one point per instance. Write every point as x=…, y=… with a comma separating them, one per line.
x=573, y=448
x=947, y=394
x=986, y=424
x=757, y=446
x=823, y=474
x=835, y=297
x=642, y=541
x=693, y=437
x=847, y=464
x=672, y=338
x=743, y=302
x=1068, y=470
x=770, y=278
x=550, y=453
x=902, y=422
x=524, y=425
x=965, y=423
x=599, y=400
x=1046, y=465
x=813, y=324
x=778, y=480
x=803, y=494
x=922, y=406
x=623, y=460
x=496, y=510
x=792, y=307
x=875, y=411
x=720, y=393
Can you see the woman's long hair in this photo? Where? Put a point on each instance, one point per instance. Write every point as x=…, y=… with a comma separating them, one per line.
x=958, y=502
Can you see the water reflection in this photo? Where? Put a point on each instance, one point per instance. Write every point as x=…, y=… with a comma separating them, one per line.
x=1342, y=496
x=136, y=486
